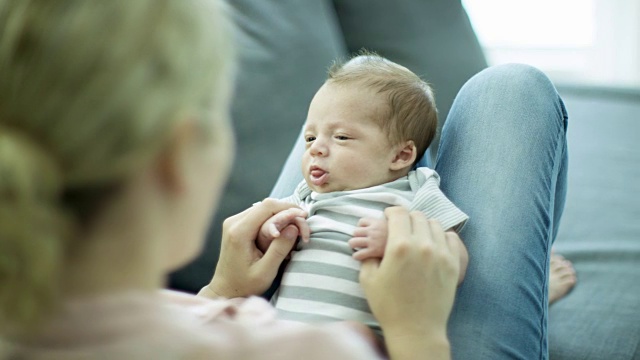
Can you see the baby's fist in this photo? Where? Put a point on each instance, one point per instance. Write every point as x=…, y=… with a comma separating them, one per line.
x=369, y=239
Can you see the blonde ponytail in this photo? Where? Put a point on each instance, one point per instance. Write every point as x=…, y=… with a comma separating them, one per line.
x=33, y=230
x=89, y=91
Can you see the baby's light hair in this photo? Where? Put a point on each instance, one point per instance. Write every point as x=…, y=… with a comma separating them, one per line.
x=412, y=113
x=89, y=92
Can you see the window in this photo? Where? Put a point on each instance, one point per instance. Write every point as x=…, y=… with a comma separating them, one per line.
x=594, y=42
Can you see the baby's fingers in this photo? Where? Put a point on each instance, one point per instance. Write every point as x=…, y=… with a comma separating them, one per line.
x=286, y=217
x=360, y=232
x=358, y=242
x=365, y=221
x=273, y=230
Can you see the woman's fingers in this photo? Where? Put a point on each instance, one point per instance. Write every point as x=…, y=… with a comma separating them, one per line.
x=290, y=232
x=303, y=228
x=455, y=245
x=243, y=269
x=419, y=224
x=368, y=269
x=430, y=226
x=419, y=272
x=437, y=233
x=399, y=225
x=278, y=250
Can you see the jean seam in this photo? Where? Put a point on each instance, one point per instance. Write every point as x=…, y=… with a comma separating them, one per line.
x=557, y=163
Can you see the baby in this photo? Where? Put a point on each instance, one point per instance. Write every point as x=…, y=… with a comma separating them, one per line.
x=366, y=128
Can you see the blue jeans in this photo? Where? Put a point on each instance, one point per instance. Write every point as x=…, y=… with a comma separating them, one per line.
x=503, y=161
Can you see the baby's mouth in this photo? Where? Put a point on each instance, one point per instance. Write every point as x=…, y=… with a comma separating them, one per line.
x=317, y=176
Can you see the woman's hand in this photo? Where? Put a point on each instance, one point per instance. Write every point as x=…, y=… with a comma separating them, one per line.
x=244, y=270
x=411, y=290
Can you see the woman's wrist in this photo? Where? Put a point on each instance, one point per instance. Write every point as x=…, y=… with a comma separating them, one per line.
x=208, y=292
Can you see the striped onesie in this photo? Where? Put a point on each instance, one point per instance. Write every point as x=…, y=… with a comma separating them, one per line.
x=320, y=283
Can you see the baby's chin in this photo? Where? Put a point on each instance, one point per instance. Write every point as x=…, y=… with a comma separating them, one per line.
x=321, y=189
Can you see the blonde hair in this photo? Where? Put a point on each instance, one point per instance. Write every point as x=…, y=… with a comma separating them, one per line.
x=89, y=91
x=411, y=114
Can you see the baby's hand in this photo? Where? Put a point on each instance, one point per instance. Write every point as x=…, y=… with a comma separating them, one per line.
x=369, y=238
x=289, y=224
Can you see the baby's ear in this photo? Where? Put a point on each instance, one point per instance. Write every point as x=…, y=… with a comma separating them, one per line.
x=405, y=156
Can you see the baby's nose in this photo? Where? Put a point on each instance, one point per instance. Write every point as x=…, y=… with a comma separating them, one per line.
x=318, y=148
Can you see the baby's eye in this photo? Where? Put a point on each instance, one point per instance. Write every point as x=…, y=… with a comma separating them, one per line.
x=342, y=137
x=309, y=138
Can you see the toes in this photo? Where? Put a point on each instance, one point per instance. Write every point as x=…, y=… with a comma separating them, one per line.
x=562, y=277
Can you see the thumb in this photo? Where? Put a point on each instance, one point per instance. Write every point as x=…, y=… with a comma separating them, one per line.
x=367, y=269
x=277, y=251
x=290, y=232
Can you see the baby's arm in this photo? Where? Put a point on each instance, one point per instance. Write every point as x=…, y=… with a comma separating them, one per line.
x=289, y=223
x=370, y=239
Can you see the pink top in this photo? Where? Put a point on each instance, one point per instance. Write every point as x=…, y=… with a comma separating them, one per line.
x=172, y=325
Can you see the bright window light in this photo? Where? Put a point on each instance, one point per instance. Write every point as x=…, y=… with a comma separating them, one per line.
x=592, y=42
x=540, y=23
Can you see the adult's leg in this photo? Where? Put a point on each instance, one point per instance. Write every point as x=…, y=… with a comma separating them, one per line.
x=503, y=161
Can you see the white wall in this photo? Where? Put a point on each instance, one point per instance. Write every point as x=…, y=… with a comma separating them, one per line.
x=574, y=41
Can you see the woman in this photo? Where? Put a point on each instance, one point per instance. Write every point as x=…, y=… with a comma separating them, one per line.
x=114, y=146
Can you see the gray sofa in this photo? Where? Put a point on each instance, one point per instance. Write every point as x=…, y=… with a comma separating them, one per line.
x=285, y=47
x=600, y=231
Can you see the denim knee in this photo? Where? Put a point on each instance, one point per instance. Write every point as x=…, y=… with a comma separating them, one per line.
x=519, y=83
x=519, y=77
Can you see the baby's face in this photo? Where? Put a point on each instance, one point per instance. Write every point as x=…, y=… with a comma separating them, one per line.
x=345, y=148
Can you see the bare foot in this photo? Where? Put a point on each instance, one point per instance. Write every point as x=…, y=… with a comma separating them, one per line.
x=562, y=277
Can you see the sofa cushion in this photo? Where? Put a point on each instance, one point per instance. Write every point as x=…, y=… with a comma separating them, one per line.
x=600, y=231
